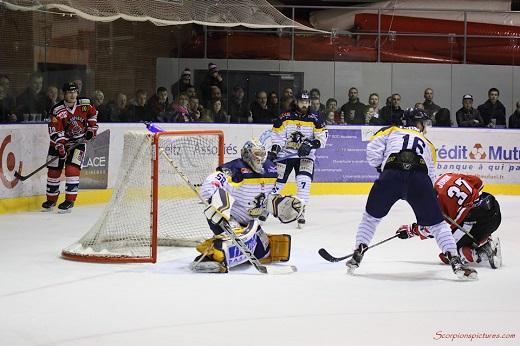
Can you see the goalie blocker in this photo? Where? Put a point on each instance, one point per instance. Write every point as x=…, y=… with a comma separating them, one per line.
x=219, y=253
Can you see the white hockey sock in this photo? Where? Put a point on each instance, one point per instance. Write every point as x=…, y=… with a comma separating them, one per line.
x=303, y=184
x=366, y=229
x=444, y=237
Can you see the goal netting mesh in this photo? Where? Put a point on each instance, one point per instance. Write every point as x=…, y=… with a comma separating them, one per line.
x=249, y=13
x=152, y=198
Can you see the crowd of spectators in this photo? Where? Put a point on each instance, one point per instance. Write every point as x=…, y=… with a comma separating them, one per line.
x=211, y=102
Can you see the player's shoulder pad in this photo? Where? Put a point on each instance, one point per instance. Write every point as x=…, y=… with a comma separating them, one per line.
x=58, y=107
x=234, y=169
x=84, y=101
x=281, y=119
x=270, y=169
x=382, y=131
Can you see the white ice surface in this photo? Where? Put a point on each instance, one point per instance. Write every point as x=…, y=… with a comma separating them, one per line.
x=401, y=294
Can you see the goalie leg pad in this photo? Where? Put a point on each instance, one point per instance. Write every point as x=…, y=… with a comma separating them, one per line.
x=280, y=246
x=285, y=208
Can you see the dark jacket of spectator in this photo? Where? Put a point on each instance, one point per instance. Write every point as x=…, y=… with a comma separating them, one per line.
x=159, y=111
x=238, y=110
x=514, y=120
x=104, y=113
x=443, y=118
x=7, y=109
x=431, y=108
x=138, y=113
x=205, y=88
x=390, y=116
x=490, y=111
x=354, y=112
x=261, y=115
x=469, y=118
x=30, y=103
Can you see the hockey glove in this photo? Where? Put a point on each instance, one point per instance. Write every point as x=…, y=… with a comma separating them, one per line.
x=91, y=133
x=273, y=154
x=405, y=232
x=60, y=148
x=307, y=146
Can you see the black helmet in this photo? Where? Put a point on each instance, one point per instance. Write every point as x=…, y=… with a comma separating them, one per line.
x=69, y=86
x=412, y=115
x=303, y=95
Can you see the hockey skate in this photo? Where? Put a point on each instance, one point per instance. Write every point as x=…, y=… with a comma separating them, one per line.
x=355, y=260
x=301, y=219
x=491, y=249
x=460, y=269
x=48, y=206
x=65, y=207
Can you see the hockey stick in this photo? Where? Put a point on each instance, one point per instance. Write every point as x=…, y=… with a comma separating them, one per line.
x=25, y=177
x=290, y=156
x=236, y=240
x=454, y=223
x=327, y=256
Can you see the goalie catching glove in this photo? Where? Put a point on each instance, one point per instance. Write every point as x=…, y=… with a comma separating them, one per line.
x=410, y=231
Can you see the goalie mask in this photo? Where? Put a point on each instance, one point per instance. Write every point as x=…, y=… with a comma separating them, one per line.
x=254, y=154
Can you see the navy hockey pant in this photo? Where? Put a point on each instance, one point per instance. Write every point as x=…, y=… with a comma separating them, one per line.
x=415, y=187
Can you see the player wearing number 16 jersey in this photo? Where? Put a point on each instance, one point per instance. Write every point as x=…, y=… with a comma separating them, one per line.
x=406, y=160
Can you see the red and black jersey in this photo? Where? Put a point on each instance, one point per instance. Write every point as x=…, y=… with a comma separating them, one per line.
x=456, y=194
x=70, y=124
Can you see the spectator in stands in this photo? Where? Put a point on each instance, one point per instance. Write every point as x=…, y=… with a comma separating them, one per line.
x=391, y=115
x=315, y=107
x=119, y=109
x=467, y=116
x=195, y=109
x=191, y=91
x=139, y=111
x=217, y=113
x=30, y=104
x=7, y=107
x=260, y=111
x=182, y=84
x=419, y=105
x=215, y=95
x=315, y=93
x=514, y=119
x=353, y=110
x=332, y=106
x=5, y=82
x=273, y=103
x=103, y=109
x=79, y=83
x=213, y=78
x=238, y=108
x=158, y=106
x=287, y=93
x=180, y=109
x=286, y=104
x=429, y=106
x=493, y=111
x=443, y=118
x=330, y=118
x=51, y=98
x=373, y=101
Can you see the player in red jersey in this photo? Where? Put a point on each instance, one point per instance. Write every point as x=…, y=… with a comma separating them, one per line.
x=73, y=122
x=477, y=213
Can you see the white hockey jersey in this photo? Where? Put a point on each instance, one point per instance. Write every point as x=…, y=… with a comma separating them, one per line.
x=290, y=130
x=247, y=187
x=390, y=140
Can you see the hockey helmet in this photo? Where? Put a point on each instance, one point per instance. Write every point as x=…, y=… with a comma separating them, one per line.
x=413, y=115
x=254, y=154
x=303, y=95
x=69, y=86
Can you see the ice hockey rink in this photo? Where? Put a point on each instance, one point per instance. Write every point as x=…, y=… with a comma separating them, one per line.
x=401, y=294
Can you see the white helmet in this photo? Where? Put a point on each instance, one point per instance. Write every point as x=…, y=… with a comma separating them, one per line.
x=254, y=154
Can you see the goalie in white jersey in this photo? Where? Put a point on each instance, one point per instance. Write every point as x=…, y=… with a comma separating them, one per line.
x=406, y=160
x=238, y=193
x=296, y=135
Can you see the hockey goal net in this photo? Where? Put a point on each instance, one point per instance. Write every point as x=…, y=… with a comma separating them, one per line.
x=151, y=204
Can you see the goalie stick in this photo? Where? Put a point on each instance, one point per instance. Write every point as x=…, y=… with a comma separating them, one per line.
x=327, y=256
x=236, y=240
x=25, y=177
